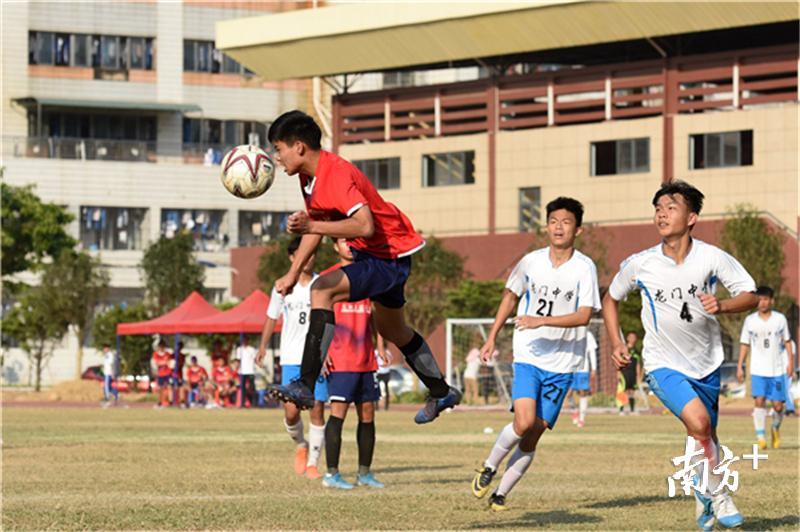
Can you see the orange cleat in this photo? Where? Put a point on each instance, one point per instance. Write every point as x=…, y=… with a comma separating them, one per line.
x=300, y=459
x=312, y=473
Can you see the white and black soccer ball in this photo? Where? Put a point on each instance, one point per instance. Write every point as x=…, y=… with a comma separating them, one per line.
x=247, y=171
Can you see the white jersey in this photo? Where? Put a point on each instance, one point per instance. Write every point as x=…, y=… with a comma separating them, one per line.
x=547, y=291
x=246, y=355
x=296, y=311
x=679, y=333
x=766, y=338
x=109, y=363
x=590, y=360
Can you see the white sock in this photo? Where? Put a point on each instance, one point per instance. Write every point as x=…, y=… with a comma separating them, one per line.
x=316, y=440
x=296, y=432
x=519, y=462
x=584, y=405
x=506, y=441
x=760, y=420
x=777, y=419
x=711, y=453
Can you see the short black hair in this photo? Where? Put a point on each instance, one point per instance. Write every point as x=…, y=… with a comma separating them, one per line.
x=293, y=126
x=765, y=291
x=193, y=360
x=694, y=198
x=162, y=343
x=293, y=245
x=569, y=204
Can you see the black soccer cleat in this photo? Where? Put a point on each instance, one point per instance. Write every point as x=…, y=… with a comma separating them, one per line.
x=295, y=392
x=497, y=502
x=482, y=481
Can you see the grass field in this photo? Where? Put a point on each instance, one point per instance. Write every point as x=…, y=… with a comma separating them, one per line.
x=86, y=468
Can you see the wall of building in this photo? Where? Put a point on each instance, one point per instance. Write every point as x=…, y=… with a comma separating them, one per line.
x=456, y=209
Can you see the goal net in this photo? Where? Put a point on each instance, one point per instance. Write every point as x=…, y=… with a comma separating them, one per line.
x=482, y=384
x=490, y=384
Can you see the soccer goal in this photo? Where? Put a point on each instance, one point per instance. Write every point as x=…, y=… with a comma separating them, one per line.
x=481, y=383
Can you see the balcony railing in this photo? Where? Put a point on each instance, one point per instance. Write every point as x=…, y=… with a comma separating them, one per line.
x=690, y=84
x=84, y=149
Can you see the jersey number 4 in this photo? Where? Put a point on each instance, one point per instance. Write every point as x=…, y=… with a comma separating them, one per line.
x=685, y=314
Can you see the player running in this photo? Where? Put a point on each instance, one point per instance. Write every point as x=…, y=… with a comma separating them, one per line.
x=766, y=334
x=682, y=344
x=342, y=203
x=295, y=308
x=555, y=292
x=351, y=367
x=582, y=380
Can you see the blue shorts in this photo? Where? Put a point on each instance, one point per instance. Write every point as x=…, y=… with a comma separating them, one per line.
x=353, y=387
x=291, y=372
x=580, y=381
x=674, y=390
x=547, y=388
x=163, y=381
x=381, y=280
x=771, y=388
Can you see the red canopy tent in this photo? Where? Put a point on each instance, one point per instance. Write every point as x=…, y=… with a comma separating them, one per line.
x=175, y=321
x=245, y=318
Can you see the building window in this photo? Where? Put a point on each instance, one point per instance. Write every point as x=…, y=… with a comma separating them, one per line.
x=530, y=203
x=80, y=50
x=201, y=56
x=453, y=168
x=209, y=139
x=111, y=228
x=256, y=227
x=209, y=227
x=384, y=173
x=716, y=150
x=627, y=156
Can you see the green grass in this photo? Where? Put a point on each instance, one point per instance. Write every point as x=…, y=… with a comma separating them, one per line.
x=67, y=469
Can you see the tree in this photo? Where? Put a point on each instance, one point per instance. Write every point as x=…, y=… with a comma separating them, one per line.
x=77, y=284
x=31, y=229
x=759, y=248
x=275, y=261
x=475, y=299
x=37, y=325
x=171, y=271
x=134, y=350
x=435, y=271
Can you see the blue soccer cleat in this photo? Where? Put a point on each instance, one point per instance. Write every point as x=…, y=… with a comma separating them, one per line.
x=704, y=510
x=369, y=481
x=336, y=481
x=433, y=407
x=295, y=392
x=727, y=514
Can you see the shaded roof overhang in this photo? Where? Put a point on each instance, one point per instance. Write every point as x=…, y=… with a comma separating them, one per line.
x=348, y=38
x=109, y=104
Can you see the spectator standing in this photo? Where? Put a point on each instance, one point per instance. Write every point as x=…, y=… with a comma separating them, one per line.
x=161, y=361
x=110, y=374
x=384, y=373
x=471, y=376
x=246, y=354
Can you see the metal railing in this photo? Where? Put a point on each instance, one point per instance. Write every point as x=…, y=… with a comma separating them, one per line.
x=84, y=149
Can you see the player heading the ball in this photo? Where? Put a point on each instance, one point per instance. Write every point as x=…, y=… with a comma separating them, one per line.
x=342, y=203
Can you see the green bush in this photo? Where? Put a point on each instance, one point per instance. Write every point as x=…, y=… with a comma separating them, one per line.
x=411, y=397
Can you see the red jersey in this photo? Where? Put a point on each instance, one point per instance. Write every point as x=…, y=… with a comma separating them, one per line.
x=219, y=359
x=161, y=360
x=339, y=189
x=222, y=374
x=178, y=371
x=196, y=374
x=352, y=348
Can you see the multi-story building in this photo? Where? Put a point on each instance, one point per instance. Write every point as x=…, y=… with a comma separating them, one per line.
x=122, y=111
x=600, y=101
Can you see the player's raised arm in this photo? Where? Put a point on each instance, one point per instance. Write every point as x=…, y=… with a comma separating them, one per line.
x=358, y=225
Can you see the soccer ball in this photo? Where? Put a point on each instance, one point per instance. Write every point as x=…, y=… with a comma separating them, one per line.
x=247, y=171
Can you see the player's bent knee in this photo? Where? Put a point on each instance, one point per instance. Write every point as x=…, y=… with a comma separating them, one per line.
x=778, y=407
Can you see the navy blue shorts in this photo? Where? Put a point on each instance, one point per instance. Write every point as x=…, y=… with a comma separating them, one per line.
x=381, y=280
x=353, y=387
x=163, y=381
